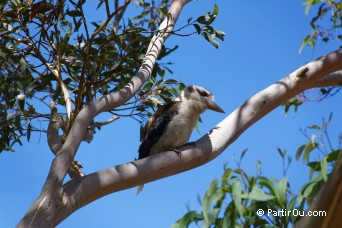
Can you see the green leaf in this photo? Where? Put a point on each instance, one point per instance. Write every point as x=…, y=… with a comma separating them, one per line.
x=166, y=95
x=308, y=148
x=308, y=187
x=211, y=39
x=280, y=190
x=282, y=153
x=226, y=176
x=31, y=87
x=290, y=207
x=206, y=198
x=74, y=13
x=265, y=182
x=333, y=155
x=143, y=14
x=23, y=63
x=28, y=134
x=309, y=40
x=198, y=28
x=212, y=214
x=300, y=151
x=314, y=165
x=308, y=4
x=99, y=5
x=95, y=24
x=197, y=128
x=220, y=34
x=2, y=55
x=189, y=217
x=213, y=195
x=316, y=127
x=10, y=117
x=243, y=153
x=208, y=18
x=257, y=194
x=237, y=190
x=324, y=169
x=155, y=101
x=170, y=81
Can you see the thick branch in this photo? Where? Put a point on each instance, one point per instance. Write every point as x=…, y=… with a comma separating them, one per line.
x=111, y=101
x=52, y=197
x=55, y=141
x=333, y=79
x=124, y=176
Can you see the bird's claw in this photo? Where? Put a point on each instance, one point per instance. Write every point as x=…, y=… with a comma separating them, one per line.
x=178, y=152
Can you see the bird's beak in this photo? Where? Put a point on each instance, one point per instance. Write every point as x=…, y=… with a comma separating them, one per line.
x=211, y=105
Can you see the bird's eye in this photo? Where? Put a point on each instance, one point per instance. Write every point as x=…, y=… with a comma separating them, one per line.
x=203, y=93
x=190, y=89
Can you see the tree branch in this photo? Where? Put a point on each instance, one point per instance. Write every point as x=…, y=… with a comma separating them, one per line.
x=55, y=141
x=128, y=175
x=118, y=17
x=110, y=120
x=87, y=114
x=81, y=85
x=55, y=72
x=333, y=79
x=64, y=89
x=53, y=197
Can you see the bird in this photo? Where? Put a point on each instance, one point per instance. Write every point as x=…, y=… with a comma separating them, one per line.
x=170, y=127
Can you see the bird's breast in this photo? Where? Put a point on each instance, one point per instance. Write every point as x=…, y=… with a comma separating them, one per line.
x=177, y=133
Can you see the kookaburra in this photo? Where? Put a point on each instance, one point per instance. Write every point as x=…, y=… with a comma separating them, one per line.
x=171, y=126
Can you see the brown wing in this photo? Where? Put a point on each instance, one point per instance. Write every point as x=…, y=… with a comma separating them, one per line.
x=156, y=126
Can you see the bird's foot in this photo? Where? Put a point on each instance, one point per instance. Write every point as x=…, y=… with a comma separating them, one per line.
x=178, y=152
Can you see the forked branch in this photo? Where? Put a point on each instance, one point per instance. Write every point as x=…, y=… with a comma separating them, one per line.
x=135, y=173
x=54, y=204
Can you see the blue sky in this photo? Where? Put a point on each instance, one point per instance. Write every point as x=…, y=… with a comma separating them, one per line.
x=261, y=46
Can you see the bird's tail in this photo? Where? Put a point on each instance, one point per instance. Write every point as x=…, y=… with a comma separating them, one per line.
x=140, y=188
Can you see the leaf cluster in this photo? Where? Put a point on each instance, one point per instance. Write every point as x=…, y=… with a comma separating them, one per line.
x=48, y=45
x=203, y=26
x=234, y=200
x=312, y=95
x=326, y=24
x=326, y=155
x=49, y=50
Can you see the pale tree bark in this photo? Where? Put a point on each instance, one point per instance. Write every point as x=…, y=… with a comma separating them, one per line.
x=117, y=178
x=333, y=79
x=57, y=201
x=54, y=204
